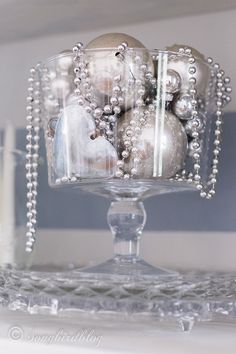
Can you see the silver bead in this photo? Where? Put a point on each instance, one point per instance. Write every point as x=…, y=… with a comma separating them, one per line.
x=194, y=124
x=125, y=154
x=107, y=109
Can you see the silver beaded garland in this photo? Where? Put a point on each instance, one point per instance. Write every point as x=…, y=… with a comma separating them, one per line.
x=32, y=154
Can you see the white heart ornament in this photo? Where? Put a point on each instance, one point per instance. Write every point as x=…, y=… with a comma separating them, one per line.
x=75, y=152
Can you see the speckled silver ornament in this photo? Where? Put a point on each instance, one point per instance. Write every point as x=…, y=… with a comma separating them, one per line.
x=160, y=155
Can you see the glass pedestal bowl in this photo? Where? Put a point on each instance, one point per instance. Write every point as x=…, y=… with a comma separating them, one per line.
x=129, y=123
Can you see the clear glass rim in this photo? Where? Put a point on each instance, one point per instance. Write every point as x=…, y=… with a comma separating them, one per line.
x=97, y=50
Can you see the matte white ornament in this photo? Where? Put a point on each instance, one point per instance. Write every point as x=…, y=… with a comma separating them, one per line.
x=113, y=40
x=106, y=66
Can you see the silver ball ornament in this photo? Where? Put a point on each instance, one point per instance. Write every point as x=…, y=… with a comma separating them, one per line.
x=183, y=107
x=200, y=68
x=173, y=81
x=161, y=158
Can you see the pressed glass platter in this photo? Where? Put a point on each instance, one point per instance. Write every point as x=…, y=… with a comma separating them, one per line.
x=183, y=300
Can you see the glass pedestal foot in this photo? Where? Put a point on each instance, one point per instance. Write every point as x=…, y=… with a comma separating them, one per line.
x=138, y=269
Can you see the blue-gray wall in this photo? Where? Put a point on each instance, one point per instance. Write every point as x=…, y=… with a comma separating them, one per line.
x=180, y=211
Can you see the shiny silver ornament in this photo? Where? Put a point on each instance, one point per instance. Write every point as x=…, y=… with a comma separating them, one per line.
x=183, y=107
x=160, y=156
x=180, y=64
x=173, y=81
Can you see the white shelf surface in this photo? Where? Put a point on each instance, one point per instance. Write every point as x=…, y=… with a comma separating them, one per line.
x=37, y=331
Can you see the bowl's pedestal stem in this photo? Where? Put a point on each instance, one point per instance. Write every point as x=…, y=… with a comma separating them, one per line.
x=127, y=218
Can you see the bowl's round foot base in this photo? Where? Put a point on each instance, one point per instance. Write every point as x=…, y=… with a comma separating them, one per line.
x=119, y=267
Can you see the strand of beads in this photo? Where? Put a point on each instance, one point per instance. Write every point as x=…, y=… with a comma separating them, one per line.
x=134, y=128
x=220, y=88
x=32, y=155
x=195, y=145
x=209, y=191
x=105, y=117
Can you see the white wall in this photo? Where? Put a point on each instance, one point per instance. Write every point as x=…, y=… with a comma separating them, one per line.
x=187, y=250
x=212, y=34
